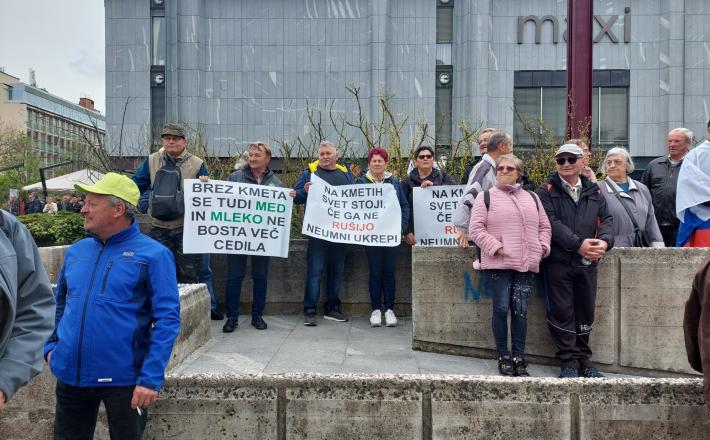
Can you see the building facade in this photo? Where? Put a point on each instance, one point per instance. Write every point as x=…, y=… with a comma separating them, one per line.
x=255, y=69
x=59, y=130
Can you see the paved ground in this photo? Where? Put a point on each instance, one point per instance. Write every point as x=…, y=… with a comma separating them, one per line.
x=287, y=346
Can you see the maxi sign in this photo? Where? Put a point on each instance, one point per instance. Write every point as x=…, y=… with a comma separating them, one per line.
x=606, y=27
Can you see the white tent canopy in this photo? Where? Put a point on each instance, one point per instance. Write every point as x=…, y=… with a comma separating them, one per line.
x=67, y=181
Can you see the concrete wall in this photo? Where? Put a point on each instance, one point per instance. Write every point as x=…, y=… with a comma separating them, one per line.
x=30, y=414
x=427, y=407
x=287, y=279
x=638, y=319
x=245, y=70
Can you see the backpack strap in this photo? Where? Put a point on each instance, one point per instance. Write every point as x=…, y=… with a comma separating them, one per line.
x=487, y=199
x=534, y=196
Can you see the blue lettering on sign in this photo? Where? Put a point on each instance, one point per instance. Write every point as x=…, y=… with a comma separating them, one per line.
x=469, y=290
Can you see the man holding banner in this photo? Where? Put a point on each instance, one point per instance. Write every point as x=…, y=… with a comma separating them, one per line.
x=255, y=172
x=322, y=254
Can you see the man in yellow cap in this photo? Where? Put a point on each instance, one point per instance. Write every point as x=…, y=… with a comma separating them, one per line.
x=118, y=314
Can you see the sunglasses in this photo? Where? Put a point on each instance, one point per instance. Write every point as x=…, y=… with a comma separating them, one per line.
x=424, y=156
x=506, y=168
x=571, y=160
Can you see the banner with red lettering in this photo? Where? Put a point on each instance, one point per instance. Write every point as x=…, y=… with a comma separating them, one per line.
x=434, y=209
x=365, y=214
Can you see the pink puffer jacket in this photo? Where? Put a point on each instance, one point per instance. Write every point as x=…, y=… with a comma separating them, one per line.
x=513, y=222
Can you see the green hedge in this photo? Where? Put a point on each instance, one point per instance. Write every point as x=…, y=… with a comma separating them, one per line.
x=54, y=230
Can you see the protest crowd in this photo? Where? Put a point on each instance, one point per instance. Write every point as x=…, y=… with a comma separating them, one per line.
x=108, y=330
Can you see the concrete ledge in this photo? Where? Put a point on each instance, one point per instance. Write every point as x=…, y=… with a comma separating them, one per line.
x=427, y=407
x=638, y=316
x=287, y=279
x=30, y=414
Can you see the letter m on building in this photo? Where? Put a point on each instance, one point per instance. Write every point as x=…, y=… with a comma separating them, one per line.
x=538, y=27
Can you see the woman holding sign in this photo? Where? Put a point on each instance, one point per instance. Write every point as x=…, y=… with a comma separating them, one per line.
x=383, y=259
x=510, y=226
x=424, y=174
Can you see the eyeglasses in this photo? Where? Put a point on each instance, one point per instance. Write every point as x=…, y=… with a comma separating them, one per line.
x=571, y=160
x=506, y=168
x=424, y=156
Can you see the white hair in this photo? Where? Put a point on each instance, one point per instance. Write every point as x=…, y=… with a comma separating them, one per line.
x=687, y=133
x=618, y=151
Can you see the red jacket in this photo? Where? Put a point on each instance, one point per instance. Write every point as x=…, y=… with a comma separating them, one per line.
x=515, y=221
x=696, y=325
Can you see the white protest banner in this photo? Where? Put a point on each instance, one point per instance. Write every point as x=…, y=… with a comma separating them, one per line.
x=434, y=209
x=366, y=214
x=236, y=218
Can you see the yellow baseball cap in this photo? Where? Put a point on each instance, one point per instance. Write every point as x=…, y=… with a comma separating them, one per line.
x=114, y=184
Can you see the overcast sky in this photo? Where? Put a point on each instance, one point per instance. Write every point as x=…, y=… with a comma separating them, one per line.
x=63, y=41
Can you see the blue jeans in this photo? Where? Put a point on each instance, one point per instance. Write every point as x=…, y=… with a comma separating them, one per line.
x=382, y=261
x=510, y=291
x=236, y=269
x=205, y=276
x=323, y=255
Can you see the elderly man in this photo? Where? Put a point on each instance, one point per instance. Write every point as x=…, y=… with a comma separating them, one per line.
x=696, y=325
x=256, y=172
x=482, y=178
x=581, y=234
x=118, y=314
x=661, y=178
x=26, y=307
x=323, y=254
x=483, y=146
x=693, y=199
x=163, y=174
x=34, y=204
x=13, y=205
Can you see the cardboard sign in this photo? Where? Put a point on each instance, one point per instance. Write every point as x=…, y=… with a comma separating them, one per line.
x=434, y=209
x=236, y=218
x=364, y=214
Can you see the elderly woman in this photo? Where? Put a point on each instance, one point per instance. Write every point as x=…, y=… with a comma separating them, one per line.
x=383, y=259
x=511, y=227
x=424, y=175
x=629, y=202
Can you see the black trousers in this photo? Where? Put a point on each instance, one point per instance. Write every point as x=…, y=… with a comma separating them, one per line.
x=187, y=266
x=78, y=407
x=571, y=297
x=669, y=234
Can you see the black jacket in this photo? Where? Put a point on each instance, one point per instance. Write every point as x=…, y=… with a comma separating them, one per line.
x=573, y=222
x=661, y=178
x=437, y=177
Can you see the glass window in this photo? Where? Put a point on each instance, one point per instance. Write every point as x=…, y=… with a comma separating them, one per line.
x=443, y=54
x=526, y=103
x=444, y=25
x=443, y=115
x=159, y=42
x=614, y=115
x=157, y=111
x=610, y=114
x=554, y=111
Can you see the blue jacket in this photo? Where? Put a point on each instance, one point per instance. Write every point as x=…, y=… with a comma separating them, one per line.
x=403, y=204
x=305, y=176
x=118, y=312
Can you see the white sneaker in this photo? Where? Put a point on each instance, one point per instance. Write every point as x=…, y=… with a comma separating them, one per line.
x=376, y=318
x=390, y=319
